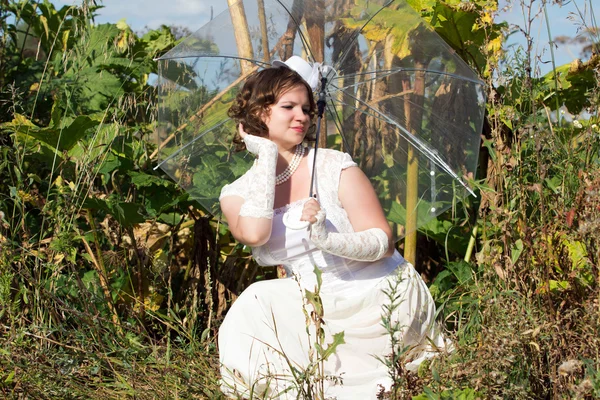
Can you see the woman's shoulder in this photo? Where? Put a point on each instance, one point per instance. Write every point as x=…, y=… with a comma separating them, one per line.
x=330, y=152
x=344, y=160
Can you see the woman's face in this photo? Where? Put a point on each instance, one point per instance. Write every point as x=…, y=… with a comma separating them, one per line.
x=288, y=119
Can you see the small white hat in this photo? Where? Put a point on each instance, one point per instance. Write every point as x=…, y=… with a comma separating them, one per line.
x=309, y=72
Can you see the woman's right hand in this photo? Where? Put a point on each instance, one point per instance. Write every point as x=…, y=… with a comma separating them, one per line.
x=310, y=211
x=255, y=143
x=242, y=132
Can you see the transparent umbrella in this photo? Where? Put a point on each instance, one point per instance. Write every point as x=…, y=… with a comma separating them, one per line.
x=398, y=99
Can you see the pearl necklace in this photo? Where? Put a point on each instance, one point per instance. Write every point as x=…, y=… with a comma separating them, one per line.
x=292, y=167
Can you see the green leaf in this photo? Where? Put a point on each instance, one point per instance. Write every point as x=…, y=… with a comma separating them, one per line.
x=127, y=214
x=90, y=279
x=314, y=300
x=559, y=286
x=443, y=282
x=156, y=42
x=10, y=378
x=170, y=218
x=516, y=250
x=577, y=254
x=110, y=164
x=462, y=270
x=554, y=183
x=318, y=274
x=142, y=179
x=574, y=84
x=338, y=338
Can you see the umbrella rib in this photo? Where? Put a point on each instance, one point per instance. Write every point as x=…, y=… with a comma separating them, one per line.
x=422, y=146
x=357, y=83
x=388, y=72
x=449, y=74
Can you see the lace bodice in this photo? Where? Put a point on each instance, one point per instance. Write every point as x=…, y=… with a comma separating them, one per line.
x=297, y=253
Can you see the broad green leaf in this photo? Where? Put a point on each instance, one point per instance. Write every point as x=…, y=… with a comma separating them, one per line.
x=516, y=250
x=462, y=270
x=577, y=254
x=127, y=214
x=109, y=164
x=142, y=179
x=575, y=82
x=170, y=218
x=558, y=286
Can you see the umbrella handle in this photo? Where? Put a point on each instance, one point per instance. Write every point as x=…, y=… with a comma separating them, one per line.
x=321, y=103
x=311, y=191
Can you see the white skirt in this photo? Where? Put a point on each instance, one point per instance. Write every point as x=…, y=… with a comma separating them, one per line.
x=265, y=346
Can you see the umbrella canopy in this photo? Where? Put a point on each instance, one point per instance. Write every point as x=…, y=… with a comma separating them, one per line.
x=399, y=100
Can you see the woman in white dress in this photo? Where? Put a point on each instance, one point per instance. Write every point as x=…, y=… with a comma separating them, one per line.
x=264, y=342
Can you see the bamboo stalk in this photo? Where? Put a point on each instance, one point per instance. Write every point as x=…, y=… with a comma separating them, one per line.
x=414, y=119
x=241, y=33
x=412, y=182
x=264, y=34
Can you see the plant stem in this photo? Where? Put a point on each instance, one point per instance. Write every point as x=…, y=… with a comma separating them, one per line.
x=471, y=245
x=101, y=270
x=551, y=43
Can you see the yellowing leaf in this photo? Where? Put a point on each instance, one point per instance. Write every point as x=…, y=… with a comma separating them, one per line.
x=59, y=181
x=495, y=45
x=122, y=41
x=577, y=254
x=44, y=22
x=65, y=39
x=21, y=120
x=122, y=24
x=153, y=301
x=534, y=344
x=486, y=18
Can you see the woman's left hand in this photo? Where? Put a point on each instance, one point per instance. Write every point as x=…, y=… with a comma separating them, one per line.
x=310, y=210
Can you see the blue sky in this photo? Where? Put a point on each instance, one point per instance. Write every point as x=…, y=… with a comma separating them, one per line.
x=564, y=20
x=194, y=13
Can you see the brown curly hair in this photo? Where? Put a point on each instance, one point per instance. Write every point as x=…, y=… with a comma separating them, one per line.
x=261, y=90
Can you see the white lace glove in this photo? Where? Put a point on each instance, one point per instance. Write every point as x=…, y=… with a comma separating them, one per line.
x=369, y=245
x=259, y=201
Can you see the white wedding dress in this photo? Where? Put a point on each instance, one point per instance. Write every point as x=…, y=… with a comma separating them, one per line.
x=265, y=331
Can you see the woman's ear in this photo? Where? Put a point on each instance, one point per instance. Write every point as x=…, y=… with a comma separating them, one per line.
x=265, y=114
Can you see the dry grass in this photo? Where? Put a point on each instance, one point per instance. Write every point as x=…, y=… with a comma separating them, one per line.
x=36, y=368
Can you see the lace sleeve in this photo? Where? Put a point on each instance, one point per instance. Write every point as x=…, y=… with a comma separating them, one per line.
x=238, y=187
x=347, y=161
